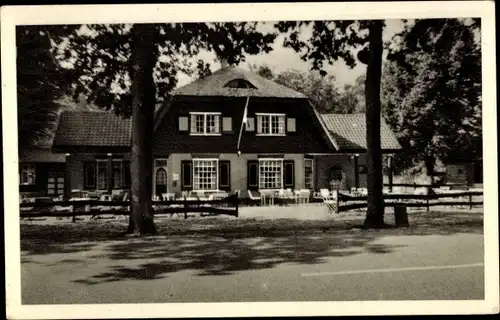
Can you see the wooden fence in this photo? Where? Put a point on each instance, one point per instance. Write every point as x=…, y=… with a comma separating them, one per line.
x=411, y=200
x=94, y=208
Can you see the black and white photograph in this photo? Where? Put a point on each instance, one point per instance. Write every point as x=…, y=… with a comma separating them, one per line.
x=203, y=160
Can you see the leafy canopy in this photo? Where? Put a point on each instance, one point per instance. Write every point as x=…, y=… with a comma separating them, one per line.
x=40, y=82
x=100, y=56
x=432, y=91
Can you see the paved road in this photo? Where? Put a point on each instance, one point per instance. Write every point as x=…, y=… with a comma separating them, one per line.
x=322, y=267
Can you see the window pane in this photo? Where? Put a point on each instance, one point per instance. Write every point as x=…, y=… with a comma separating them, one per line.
x=308, y=173
x=270, y=174
x=213, y=123
x=265, y=125
x=161, y=176
x=102, y=175
x=197, y=123
x=117, y=174
x=205, y=174
x=28, y=174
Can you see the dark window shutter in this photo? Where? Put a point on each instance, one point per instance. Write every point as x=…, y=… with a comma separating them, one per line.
x=253, y=174
x=187, y=174
x=225, y=175
x=183, y=124
x=89, y=172
x=291, y=125
x=289, y=174
x=41, y=176
x=126, y=174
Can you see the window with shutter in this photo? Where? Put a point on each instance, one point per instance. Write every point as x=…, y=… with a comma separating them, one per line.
x=227, y=124
x=290, y=125
x=187, y=174
x=225, y=175
x=289, y=176
x=183, y=124
x=253, y=175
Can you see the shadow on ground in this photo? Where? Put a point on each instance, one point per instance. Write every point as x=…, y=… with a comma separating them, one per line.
x=225, y=256
x=225, y=249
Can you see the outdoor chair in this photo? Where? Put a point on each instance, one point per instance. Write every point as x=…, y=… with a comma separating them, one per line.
x=303, y=196
x=329, y=200
x=324, y=193
x=254, y=195
x=267, y=197
x=168, y=196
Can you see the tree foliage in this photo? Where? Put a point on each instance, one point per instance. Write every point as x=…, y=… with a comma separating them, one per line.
x=432, y=91
x=100, y=55
x=352, y=97
x=129, y=68
x=333, y=40
x=40, y=82
x=323, y=91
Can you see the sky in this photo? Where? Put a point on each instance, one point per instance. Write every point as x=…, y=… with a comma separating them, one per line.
x=281, y=59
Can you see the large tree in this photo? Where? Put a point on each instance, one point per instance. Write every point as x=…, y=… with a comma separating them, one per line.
x=432, y=91
x=333, y=40
x=41, y=81
x=352, y=96
x=323, y=91
x=129, y=68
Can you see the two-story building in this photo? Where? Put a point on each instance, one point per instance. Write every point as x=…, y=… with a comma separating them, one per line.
x=284, y=143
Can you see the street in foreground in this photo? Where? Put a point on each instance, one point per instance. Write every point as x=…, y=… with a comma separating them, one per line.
x=321, y=266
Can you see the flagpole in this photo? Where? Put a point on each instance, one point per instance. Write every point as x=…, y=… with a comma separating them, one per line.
x=243, y=122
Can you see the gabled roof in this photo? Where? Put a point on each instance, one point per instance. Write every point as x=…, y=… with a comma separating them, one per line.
x=215, y=85
x=92, y=129
x=349, y=132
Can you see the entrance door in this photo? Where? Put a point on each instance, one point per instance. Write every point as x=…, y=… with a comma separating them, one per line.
x=161, y=181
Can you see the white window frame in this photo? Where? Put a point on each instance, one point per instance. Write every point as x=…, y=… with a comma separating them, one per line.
x=262, y=179
x=197, y=184
x=311, y=161
x=281, y=124
x=27, y=169
x=192, y=130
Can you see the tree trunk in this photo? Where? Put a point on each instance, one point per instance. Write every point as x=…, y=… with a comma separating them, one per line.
x=375, y=210
x=429, y=167
x=143, y=92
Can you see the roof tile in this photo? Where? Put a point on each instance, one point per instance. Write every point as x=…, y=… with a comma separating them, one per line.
x=92, y=129
x=349, y=131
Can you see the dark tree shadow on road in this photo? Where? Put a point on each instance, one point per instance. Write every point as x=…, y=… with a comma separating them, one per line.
x=225, y=256
x=217, y=252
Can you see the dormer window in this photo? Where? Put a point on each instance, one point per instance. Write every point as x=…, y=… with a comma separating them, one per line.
x=205, y=123
x=239, y=84
x=269, y=124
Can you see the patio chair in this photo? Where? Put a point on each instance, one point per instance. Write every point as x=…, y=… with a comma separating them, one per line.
x=324, y=193
x=267, y=196
x=254, y=195
x=303, y=196
x=330, y=202
x=168, y=196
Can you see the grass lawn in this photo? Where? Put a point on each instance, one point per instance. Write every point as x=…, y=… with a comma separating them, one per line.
x=421, y=222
